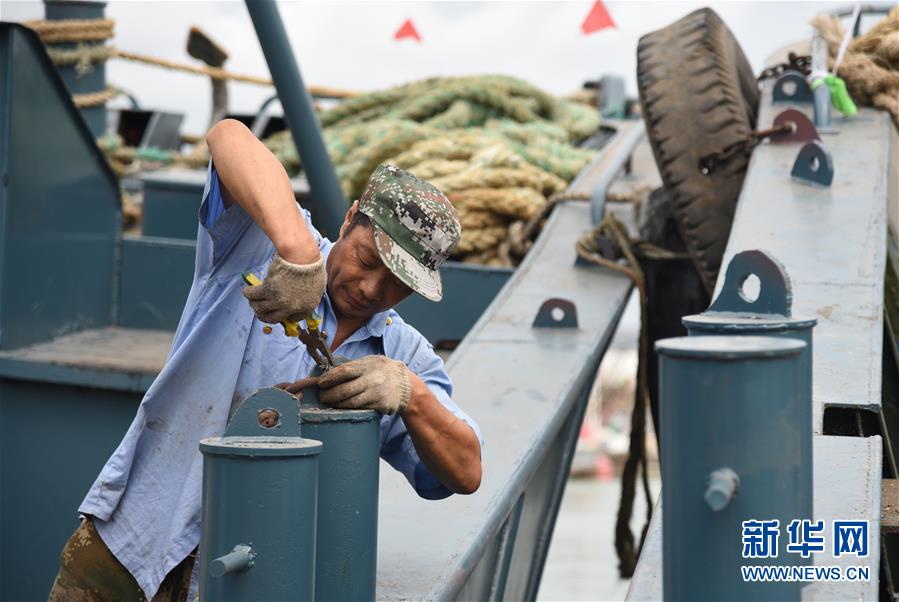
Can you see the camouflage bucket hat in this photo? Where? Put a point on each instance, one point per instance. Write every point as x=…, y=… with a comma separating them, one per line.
x=416, y=227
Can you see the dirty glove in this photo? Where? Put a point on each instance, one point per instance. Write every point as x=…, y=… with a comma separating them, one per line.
x=374, y=382
x=289, y=291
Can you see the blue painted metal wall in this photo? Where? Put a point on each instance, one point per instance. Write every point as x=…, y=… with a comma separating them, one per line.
x=154, y=279
x=56, y=258
x=170, y=204
x=54, y=439
x=467, y=291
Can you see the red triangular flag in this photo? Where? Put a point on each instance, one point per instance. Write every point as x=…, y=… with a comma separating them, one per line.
x=598, y=18
x=407, y=30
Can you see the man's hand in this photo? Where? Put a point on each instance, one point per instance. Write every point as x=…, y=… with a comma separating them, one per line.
x=374, y=382
x=289, y=291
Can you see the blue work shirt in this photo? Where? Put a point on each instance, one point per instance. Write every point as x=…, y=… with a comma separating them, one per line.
x=146, y=501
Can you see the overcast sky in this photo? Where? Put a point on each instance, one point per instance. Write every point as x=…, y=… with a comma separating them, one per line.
x=351, y=45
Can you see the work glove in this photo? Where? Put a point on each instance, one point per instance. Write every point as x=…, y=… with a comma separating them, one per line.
x=289, y=291
x=374, y=382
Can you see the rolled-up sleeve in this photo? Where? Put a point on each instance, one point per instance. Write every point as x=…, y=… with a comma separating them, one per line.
x=396, y=444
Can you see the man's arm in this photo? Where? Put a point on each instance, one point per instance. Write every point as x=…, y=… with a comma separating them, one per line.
x=447, y=445
x=252, y=177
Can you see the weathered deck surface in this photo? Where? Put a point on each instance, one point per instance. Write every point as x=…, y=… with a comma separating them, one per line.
x=113, y=357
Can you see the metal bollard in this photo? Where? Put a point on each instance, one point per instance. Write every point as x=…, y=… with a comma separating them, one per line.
x=260, y=490
x=347, y=543
x=731, y=411
x=770, y=314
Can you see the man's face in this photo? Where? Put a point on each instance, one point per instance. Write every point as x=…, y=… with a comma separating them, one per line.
x=359, y=284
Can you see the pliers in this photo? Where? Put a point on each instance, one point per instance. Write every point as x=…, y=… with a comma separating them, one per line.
x=313, y=337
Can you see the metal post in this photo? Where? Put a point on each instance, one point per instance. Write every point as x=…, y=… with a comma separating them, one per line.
x=770, y=314
x=615, y=157
x=612, y=97
x=330, y=205
x=260, y=499
x=347, y=542
x=821, y=93
x=92, y=80
x=734, y=431
x=203, y=48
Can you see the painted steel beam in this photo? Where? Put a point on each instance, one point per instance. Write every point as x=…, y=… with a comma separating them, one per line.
x=57, y=270
x=832, y=242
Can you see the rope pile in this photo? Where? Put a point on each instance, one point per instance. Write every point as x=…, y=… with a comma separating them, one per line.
x=497, y=146
x=870, y=66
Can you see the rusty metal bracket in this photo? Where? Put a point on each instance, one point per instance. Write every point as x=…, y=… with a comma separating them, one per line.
x=267, y=412
x=775, y=294
x=801, y=128
x=813, y=165
x=792, y=87
x=556, y=313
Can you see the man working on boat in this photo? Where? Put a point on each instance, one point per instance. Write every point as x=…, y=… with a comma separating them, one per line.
x=142, y=522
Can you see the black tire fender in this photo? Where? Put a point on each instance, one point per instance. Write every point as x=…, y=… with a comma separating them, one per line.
x=698, y=95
